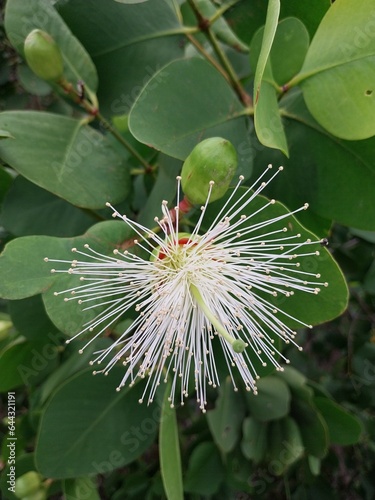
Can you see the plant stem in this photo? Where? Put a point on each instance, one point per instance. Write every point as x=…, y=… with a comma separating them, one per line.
x=93, y=111
x=204, y=25
x=242, y=94
x=221, y=10
x=207, y=56
x=107, y=125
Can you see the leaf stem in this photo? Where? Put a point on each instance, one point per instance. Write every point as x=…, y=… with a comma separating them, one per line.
x=242, y=94
x=93, y=111
x=108, y=126
x=205, y=26
x=207, y=56
x=221, y=10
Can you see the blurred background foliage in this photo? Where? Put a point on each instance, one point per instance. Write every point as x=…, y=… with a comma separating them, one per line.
x=310, y=433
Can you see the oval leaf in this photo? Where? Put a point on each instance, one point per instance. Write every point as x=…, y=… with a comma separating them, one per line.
x=226, y=419
x=84, y=407
x=267, y=120
x=271, y=402
x=128, y=44
x=64, y=156
x=168, y=114
x=343, y=428
x=338, y=75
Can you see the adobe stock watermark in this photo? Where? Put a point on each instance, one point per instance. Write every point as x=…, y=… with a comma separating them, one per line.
x=359, y=37
x=88, y=142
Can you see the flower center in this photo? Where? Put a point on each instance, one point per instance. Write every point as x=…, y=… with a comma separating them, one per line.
x=180, y=256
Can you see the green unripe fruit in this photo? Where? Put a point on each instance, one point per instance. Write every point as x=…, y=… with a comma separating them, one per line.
x=27, y=484
x=213, y=159
x=43, y=56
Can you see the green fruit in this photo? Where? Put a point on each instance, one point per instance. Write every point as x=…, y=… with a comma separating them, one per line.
x=43, y=56
x=27, y=484
x=213, y=159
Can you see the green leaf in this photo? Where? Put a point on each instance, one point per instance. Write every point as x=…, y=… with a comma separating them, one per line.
x=254, y=443
x=287, y=53
x=169, y=451
x=268, y=126
x=22, y=17
x=271, y=402
x=247, y=16
x=289, y=49
x=116, y=36
x=30, y=210
x=267, y=41
x=312, y=426
x=337, y=78
x=336, y=174
x=226, y=418
x=76, y=162
x=220, y=27
x=164, y=188
x=292, y=377
x=75, y=361
x=168, y=112
x=285, y=59
x=31, y=83
x=29, y=317
x=23, y=277
x=205, y=470
x=27, y=363
x=267, y=120
x=81, y=488
x=344, y=428
x=285, y=444
x=84, y=407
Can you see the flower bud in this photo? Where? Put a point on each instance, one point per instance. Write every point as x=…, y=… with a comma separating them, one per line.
x=27, y=484
x=213, y=159
x=43, y=56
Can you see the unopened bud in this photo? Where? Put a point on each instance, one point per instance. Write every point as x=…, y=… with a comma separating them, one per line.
x=213, y=159
x=43, y=56
x=27, y=484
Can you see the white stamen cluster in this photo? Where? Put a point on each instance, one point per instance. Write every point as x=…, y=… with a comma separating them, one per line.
x=193, y=292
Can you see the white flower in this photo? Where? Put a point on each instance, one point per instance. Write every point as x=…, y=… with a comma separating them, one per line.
x=194, y=292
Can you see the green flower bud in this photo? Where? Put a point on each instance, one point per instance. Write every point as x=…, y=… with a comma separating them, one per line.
x=43, y=56
x=27, y=484
x=213, y=159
